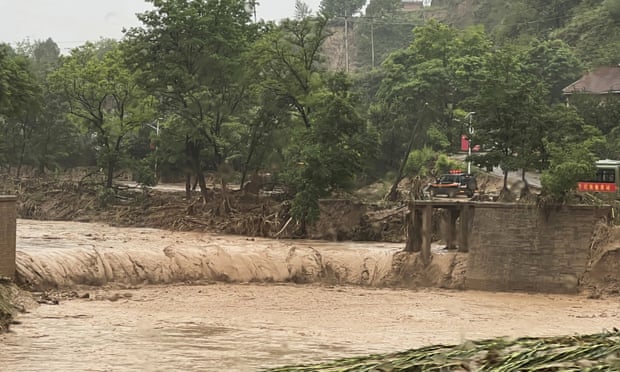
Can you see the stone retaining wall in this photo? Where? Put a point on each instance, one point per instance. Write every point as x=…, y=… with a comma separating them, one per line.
x=525, y=248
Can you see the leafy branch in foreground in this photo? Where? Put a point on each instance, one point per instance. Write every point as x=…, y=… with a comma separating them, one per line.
x=596, y=352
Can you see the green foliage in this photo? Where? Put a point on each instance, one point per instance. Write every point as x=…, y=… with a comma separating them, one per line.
x=594, y=35
x=511, y=117
x=192, y=55
x=56, y=141
x=602, y=111
x=103, y=96
x=445, y=164
x=328, y=155
x=144, y=172
x=341, y=8
x=427, y=81
x=554, y=64
x=288, y=60
x=437, y=138
x=377, y=8
x=571, y=162
x=613, y=7
x=421, y=162
x=18, y=88
x=21, y=101
x=565, y=353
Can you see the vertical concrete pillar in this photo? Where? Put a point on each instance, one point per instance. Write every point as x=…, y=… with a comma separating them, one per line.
x=414, y=229
x=8, y=215
x=450, y=218
x=465, y=215
x=427, y=233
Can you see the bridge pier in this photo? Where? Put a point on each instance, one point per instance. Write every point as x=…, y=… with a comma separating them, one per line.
x=450, y=219
x=420, y=230
x=8, y=215
x=420, y=226
x=466, y=215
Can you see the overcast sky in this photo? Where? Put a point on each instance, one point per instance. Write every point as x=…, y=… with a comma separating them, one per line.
x=72, y=22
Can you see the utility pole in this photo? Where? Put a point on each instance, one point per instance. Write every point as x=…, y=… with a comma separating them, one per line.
x=471, y=133
x=372, y=41
x=346, y=41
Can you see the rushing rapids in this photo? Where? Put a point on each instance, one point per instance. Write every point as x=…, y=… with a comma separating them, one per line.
x=62, y=255
x=124, y=325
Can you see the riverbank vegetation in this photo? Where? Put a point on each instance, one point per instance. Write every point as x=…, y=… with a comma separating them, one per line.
x=202, y=93
x=7, y=307
x=597, y=352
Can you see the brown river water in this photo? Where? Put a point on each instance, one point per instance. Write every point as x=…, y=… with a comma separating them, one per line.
x=160, y=303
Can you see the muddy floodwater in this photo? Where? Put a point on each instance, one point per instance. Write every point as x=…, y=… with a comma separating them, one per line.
x=248, y=326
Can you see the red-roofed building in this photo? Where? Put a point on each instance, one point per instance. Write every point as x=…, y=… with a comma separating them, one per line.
x=604, y=80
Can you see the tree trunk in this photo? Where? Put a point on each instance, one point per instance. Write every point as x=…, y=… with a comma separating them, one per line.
x=188, y=185
x=188, y=170
x=22, y=153
x=527, y=185
x=393, y=195
x=246, y=164
x=110, y=175
x=195, y=159
x=202, y=183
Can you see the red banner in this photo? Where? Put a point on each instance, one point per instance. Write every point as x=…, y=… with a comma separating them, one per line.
x=464, y=143
x=596, y=186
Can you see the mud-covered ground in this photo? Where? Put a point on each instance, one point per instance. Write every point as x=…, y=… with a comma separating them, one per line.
x=234, y=212
x=359, y=216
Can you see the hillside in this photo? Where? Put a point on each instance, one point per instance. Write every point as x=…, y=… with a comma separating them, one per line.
x=590, y=27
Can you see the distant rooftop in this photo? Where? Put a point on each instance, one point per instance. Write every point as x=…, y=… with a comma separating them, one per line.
x=604, y=80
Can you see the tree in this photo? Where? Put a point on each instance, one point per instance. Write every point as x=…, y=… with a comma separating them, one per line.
x=613, y=7
x=327, y=141
x=509, y=109
x=190, y=54
x=330, y=154
x=376, y=8
x=54, y=140
x=20, y=101
x=104, y=97
x=424, y=85
x=290, y=62
x=341, y=8
x=603, y=112
x=511, y=21
x=554, y=63
x=593, y=34
x=572, y=160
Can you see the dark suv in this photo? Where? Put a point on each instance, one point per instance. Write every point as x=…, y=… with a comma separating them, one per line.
x=454, y=184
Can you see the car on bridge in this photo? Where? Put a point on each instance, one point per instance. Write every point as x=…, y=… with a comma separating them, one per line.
x=453, y=184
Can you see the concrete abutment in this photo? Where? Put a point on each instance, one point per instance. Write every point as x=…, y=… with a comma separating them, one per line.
x=8, y=216
x=512, y=247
